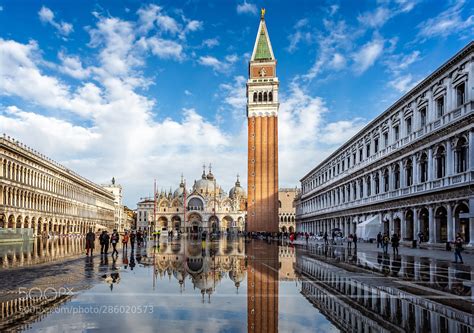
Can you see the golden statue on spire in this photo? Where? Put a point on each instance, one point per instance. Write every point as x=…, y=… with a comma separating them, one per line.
x=262, y=13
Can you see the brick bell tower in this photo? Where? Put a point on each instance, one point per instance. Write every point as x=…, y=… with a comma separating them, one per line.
x=262, y=114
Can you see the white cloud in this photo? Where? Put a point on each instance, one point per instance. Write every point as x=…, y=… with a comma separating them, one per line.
x=398, y=62
x=376, y=18
x=403, y=83
x=187, y=92
x=221, y=66
x=166, y=49
x=366, y=56
x=300, y=34
x=338, y=61
x=72, y=66
x=338, y=132
x=448, y=22
x=211, y=42
x=46, y=15
x=247, y=8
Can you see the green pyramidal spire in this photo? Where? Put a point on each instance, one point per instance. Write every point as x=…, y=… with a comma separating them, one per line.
x=263, y=48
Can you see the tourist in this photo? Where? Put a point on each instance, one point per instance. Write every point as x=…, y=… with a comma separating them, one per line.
x=125, y=241
x=379, y=240
x=325, y=237
x=458, y=243
x=90, y=240
x=354, y=239
x=385, y=241
x=349, y=241
x=114, y=239
x=104, y=242
x=132, y=239
x=420, y=237
x=306, y=235
x=395, y=243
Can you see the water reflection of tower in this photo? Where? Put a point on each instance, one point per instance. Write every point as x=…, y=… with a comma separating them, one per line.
x=262, y=287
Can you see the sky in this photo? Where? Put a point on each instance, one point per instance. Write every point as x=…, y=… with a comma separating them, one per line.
x=142, y=91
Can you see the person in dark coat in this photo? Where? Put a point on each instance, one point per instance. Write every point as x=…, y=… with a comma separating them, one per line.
x=379, y=240
x=114, y=239
x=458, y=248
x=132, y=239
x=395, y=243
x=90, y=241
x=104, y=242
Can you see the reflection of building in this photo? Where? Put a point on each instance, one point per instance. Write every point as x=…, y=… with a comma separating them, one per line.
x=262, y=287
x=38, y=193
x=286, y=210
x=116, y=190
x=262, y=113
x=287, y=258
x=205, y=265
x=410, y=169
x=372, y=303
x=208, y=207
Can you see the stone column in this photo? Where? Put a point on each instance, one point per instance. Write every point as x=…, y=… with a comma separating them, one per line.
x=430, y=164
x=416, y=170
x=431, y=225
x=403, y=227
x=449, y=158
x=416, y=223
x=450, y=223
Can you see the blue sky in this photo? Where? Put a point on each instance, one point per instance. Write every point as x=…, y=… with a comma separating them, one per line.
x=150, y=90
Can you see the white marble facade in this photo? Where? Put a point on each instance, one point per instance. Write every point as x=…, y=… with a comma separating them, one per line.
x=411, y=168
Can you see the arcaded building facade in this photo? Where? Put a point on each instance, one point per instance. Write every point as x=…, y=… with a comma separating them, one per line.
x=40, y=194
x=410, y=169
x=286, y=209
x=262, y=113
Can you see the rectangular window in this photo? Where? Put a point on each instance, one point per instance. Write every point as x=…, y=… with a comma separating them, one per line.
x=376, y=145
x=361, y=155
x=342, y=166
x=385, y=139
x=354, y=159
x=367, y=150
x=408, y=125
x=396, y=133
x=423, y=117
x=440, y=107
x=460, y=94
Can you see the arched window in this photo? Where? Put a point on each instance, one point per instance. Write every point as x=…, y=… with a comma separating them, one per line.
x=279, y=204
x=460, y=155
x=259, y=96
x=440, y=162
x=265, y=96
x=396, y=176
x=409, y=173
x=254, y=96
x=270, y=96
x=423, y=168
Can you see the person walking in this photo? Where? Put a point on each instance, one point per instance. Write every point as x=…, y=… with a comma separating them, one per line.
x=395, y=243
x=379, y=240
x=385, y=241
x=125, y=241
x=349, y=241
x=306, y=235
x=104, y=242
x=132, y=239
x=90, y=242
x=458, y=243
x=325, y=237
x=114, y=239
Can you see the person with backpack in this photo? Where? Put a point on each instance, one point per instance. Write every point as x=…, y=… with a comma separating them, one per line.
x=385, y=241
x=395, y=243
x=458, y=243
x=114, y=239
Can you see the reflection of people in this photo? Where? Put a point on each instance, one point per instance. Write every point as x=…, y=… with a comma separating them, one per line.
x=458, y=248
x=90, y=240
x=89, y=267
x=132, y=260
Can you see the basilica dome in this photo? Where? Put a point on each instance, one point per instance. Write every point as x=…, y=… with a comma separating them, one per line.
x=237, y=190
x=207, y=184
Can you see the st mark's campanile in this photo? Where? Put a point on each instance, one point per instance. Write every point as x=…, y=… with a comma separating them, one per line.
x=262, y=114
